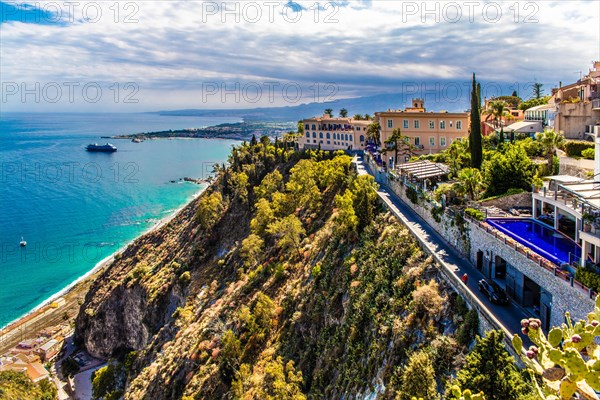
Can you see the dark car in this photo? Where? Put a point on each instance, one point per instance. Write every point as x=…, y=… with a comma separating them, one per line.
x=494, y=292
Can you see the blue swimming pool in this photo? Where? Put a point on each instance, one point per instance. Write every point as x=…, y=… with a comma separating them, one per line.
x=539, y=237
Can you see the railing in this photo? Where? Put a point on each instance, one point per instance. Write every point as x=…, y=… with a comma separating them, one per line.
x=538, y=259
x=463, y=291
x=458, y=285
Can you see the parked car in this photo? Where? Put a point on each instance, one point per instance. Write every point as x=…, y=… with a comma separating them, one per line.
x=493, y=292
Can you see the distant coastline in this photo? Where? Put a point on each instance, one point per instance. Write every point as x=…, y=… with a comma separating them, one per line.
x=231, y=131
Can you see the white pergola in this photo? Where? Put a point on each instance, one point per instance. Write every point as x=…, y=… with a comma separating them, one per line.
x=424, y=169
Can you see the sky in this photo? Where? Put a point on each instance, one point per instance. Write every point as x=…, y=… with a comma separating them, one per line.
x=130, y=56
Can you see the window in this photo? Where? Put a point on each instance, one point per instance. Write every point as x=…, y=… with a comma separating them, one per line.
x=432, y=141
x=351, y=138
x=390, y=123
x=458, y=124
x=442, y=124
x=314, y=134
x=314, y=127
x=328, y=135
x=431, y=125
x=417, y=141
x=346, y=136
x=308, y=134
x=443, y=141
x=362, y=138
x=306, y=127
x=328, y=142
x=320, y=135
x=405, y=124
x=417, y=124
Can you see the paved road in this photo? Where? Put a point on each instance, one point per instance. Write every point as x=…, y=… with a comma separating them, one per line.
x=509, y=315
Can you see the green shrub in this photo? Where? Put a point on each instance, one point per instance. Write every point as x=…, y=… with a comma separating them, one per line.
x=70, y=366
x=444, y=189
x=588, y=278
x=185, y=278
x=574, y=148
x=412, y=195
x=436, y=213
x=469, y=328
x=108, y=381
x=512, y=191
x=473, y=213
x=17, y=385
x=588, y=153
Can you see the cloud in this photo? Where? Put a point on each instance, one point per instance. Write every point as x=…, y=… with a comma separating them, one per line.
x=173, y=49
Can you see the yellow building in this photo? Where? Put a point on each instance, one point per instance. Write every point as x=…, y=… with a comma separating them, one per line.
x=331, y=133
x=430, y=132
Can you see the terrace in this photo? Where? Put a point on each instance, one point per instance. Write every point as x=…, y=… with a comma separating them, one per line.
x=564, y=273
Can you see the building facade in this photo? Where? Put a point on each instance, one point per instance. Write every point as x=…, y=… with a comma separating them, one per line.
x=430, y=132
x=489, y=126
x=578, y=105
x=331, y=133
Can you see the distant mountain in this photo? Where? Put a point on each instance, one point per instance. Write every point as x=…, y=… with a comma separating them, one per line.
x=358, y=105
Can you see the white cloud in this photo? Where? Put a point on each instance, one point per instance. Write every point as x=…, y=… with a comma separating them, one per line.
x=170, y=48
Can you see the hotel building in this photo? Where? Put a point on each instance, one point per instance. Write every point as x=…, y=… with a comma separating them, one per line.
x=430, y=132
x=332, y=133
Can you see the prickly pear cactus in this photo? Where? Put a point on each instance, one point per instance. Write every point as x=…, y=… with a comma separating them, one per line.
x=466, y=394
x=568, y=359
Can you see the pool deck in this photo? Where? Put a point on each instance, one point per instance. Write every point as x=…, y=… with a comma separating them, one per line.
x=495, y=222
x=532, y=255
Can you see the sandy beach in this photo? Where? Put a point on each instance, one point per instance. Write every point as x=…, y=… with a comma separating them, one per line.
x=44, y=315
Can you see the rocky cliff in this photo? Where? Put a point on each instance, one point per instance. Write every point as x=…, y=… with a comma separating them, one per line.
x=283, y=280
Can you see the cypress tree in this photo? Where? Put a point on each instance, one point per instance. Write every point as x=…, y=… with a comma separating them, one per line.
x=475, y=145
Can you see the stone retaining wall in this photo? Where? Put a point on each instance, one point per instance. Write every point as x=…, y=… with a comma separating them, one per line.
x=575, y=167
x=446, y=226
x=508, y=202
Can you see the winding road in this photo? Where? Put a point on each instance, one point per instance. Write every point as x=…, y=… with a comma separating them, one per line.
x=508, y=315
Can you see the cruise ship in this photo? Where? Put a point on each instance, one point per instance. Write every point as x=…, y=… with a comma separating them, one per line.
x=105, y=148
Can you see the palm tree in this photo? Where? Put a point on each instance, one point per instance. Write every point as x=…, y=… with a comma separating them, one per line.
x=399, y=144
x=343, y=113
x=367, y=117
x=357, y=117
x=373, y=132
x=470, y=182
x=497, y=111
x=550, y=140
x=329, y=111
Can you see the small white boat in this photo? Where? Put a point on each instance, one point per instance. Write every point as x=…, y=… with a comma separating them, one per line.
x=22, y=243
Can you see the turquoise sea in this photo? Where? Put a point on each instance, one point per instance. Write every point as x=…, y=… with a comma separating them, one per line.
x=75, y=208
